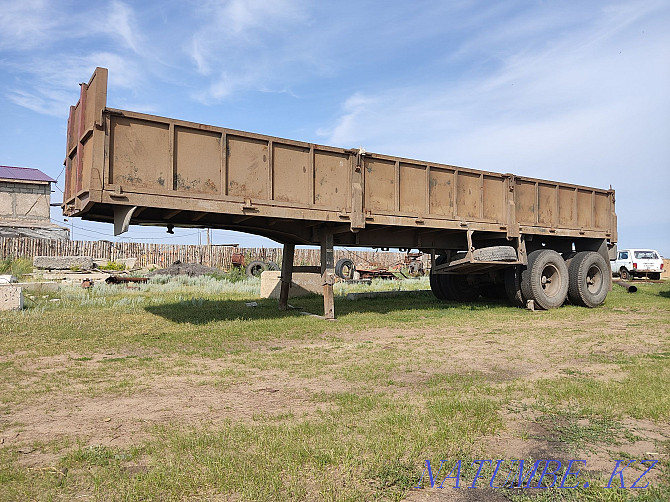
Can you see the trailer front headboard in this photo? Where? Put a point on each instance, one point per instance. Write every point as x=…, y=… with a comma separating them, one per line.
x=85, y=138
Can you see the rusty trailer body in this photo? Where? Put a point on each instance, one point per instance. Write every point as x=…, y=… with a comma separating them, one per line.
x=132, y=168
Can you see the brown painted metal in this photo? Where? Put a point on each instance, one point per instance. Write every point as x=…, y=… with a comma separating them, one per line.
x=237, y=259
x=297, y=192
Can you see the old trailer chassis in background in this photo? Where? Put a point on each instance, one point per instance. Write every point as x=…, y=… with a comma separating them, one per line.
x=130, y=168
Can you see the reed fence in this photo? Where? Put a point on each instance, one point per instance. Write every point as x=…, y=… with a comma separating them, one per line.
x=161, y=255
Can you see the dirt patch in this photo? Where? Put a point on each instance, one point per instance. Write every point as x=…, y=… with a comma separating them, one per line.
x=461, y=495
x=505, y=352
x=500, y=353
x=528, y=437
x=520, y=440
x=127, y=419
x=195, y=390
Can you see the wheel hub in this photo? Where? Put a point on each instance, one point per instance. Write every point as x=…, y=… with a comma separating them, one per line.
x=551, y=280
x=594, y=279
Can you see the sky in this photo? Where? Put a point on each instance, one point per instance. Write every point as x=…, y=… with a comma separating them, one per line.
x=571, y=91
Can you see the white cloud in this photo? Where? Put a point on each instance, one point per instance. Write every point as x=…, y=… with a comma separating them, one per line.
x=40, y=102
x=53, y=82
x=244, y=45
x=198, y=57
x=597, y=78
x=119, y=22
x=591, y=107
x=355, y=107
x=26, y=24
x=46, y=76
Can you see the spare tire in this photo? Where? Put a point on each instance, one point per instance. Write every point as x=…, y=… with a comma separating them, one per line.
x=495, y=253
x=255, y=268
x=344, y=269
x=588, y=274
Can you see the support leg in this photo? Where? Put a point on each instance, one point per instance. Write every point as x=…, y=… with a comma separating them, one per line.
x=328, y=275
x=286, y=275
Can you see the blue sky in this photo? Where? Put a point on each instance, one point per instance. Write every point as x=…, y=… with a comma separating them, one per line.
x=570, y=91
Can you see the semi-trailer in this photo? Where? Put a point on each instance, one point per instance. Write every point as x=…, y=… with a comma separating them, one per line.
x=539, y=241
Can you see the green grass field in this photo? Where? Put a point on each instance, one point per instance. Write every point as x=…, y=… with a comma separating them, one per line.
x=179, y=391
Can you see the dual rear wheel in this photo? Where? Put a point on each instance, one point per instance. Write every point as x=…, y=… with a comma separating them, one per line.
x=549, y=279
x=589, y=279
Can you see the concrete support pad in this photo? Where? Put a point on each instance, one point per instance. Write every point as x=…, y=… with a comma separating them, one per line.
x=11, y=297
x=302, y=284
x=63, y=262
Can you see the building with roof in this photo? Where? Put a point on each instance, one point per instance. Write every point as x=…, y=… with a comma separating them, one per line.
x=25, y=201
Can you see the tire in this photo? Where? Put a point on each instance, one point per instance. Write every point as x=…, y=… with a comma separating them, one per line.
x=568, y=257
x=588, y=279
x=443, y=284
x=458, y=288
x=435, y=283
x=459, y=255
x=513, y=286
x=655, y=276
x=624, y=274
x=545, y=281
x=495, y=253
x=255, y=268
x=344, y=269
x=493, y=291
x=272, y=265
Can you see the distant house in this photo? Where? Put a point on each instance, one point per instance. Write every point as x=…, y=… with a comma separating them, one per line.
x=25, y=200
